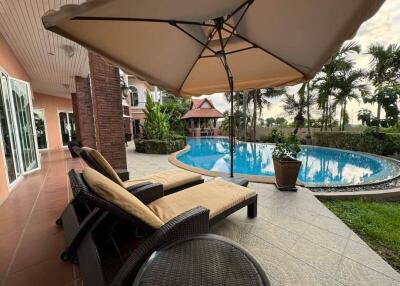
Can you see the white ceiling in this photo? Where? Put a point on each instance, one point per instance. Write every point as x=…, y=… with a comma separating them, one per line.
x=21, y=26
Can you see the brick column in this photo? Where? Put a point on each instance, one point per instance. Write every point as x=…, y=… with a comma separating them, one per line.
x=84, y=110
x=76, y=116
x=107, y=110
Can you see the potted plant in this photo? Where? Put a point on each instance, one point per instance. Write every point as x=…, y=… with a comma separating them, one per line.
x=285, y=163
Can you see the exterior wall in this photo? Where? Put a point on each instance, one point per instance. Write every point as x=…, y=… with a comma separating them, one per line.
x=13, y=68
x=52, y=105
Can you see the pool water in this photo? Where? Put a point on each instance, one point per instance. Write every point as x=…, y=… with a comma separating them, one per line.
x=320, y=166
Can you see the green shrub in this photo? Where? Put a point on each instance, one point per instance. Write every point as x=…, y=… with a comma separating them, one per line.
x=153, y=146
x=370, y=141
x=156, y=124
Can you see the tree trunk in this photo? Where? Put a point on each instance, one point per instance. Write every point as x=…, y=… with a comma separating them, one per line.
x=308, y=109
x=326, y=113
x=378, y=114
x=254, y=116
x=323, y=117
x=344, y=115
x=245, y=115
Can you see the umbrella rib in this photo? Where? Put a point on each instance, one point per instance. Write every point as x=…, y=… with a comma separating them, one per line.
x=210, y=37
x=86, y=18
x=205, y=45
x=264, y=50
x=248, y=2
x=240, y=19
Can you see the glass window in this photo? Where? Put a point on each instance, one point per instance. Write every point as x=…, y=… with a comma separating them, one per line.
x=134, y=96
x=38, y=115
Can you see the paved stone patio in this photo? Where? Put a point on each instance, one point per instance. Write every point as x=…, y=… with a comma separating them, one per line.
x=295, y=237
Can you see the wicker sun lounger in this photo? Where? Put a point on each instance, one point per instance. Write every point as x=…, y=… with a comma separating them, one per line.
x=172, y=180
x=108, y=251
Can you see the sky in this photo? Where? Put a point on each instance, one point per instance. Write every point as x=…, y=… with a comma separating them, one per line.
x=383, y=28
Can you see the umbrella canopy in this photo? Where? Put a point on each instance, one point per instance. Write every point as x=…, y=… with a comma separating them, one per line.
x=195, y=47
x=273, y=43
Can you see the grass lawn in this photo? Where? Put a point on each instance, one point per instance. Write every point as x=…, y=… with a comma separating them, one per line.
x=377, y=223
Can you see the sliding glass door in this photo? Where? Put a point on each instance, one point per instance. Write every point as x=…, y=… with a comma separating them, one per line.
x=8, y=132
x=24, y=124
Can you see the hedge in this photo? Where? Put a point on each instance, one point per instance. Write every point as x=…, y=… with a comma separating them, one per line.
x=151, y=146
x=380, y=144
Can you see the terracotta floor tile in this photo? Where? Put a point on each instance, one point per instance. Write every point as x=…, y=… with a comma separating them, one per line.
x=36, y=249
x=52, y=272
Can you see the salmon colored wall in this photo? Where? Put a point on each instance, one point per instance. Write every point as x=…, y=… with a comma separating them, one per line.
x=51, y=106
x=10, y=64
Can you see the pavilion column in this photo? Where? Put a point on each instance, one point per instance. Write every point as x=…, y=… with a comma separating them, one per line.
x=83, y=110
x=107, y=110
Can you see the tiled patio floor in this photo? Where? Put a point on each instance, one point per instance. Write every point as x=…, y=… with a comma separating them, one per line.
x=295, y=238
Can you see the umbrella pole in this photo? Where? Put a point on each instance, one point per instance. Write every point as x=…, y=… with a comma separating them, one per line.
x=232, y=126
x=219, y=22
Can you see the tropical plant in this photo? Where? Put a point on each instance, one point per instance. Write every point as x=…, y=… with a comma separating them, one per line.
x=288, y=149
x=156, y=124
x=384, y=69
x=365, y=116
x=174, y=108
x=262, y=98
x=297, y=106
x=269, y=122
x=349, y=83
x=327, y=81
x=281, y=121
x=387, y=97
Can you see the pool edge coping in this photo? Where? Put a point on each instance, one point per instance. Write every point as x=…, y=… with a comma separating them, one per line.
x=172, y=158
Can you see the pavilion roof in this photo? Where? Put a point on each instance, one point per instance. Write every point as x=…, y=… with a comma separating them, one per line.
x=197, y=111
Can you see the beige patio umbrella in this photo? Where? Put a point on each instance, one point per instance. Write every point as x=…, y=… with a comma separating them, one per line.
x=196, y=47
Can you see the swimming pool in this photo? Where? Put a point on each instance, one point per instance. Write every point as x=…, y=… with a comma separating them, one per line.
x=320, y=166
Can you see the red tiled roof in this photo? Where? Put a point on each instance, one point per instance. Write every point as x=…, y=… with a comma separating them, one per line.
x=203, y=113
x=198, y=112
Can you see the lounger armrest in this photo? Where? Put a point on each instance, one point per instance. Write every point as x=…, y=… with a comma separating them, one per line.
x=194, y=221
x=148, y=192
x=137, y=186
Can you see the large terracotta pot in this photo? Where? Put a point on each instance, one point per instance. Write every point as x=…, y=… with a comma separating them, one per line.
x=286, y=173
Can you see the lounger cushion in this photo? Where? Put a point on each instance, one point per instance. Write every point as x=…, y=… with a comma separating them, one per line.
x=117, y=195
x=105, y=165
x=216, y=195
x=169, y=179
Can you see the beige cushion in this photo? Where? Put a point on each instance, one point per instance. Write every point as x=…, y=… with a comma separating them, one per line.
x=169, y=179
x=216, y=195
x=104, y=163
x=114, y=193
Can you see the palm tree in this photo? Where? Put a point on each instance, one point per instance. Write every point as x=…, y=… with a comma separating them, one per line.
x=349, y=82
x=365, y=116
x=310, y=101
x=327, y=81
x=296, y=105
x=261, y=98
x=384, y=69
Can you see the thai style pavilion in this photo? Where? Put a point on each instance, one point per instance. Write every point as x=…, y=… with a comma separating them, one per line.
x=202, y=118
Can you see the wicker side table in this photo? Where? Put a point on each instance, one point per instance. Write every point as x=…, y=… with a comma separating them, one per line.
x=206, y=259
